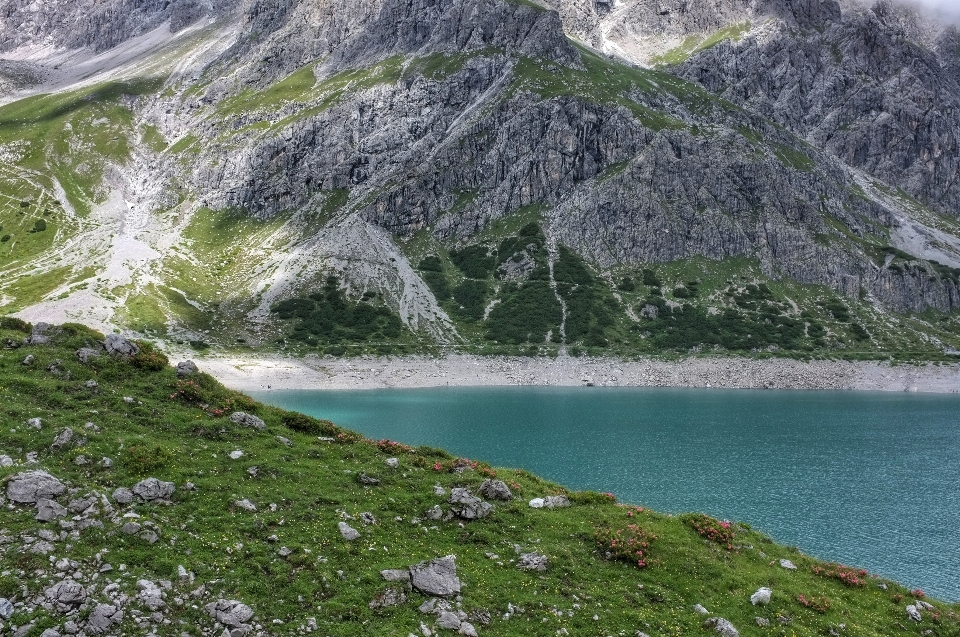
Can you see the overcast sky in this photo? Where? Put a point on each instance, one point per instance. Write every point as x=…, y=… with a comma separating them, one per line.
x=948, y=8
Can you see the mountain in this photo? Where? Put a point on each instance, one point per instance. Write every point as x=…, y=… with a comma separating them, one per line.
x=488, y=175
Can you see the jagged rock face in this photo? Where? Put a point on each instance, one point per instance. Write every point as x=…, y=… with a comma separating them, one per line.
x=97, y=24
x=861, y=90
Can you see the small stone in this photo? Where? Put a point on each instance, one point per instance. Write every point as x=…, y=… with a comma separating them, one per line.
x=396, y=574
x=229, y=612
x=389, y=597
x=761, y=597
x=368, y=518
x=393, y=463
x=62, y=440
x=537, y=503
x=245, y=504
x=123, y=496
x=434, y=512
x=348, y=532
x=35, y=423
x=438, y=490
x=532, y=562
x=29, y=359
x=236, y=454
x=91, y=384
x=106, y=463
x=763, y=622
x=448, y=620
x=284, y=441
x=86, y=354
x=787, y=564
x=722, y=626
x=284, y=552
x=6, y=461
x=913, y=613
x=131, y=528
x=556, y=501
x=48, y=510
x=468, y=506
x=700, y=610
x=368, y=480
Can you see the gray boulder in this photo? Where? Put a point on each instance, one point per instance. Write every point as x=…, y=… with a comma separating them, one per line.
x=787, y=564
x=448, y=620
x=348, y=532
x=761, y=597
x=29, y=359
x=436, y=577
x=63, y=439
x=722, y=626
x=187, y=368
x=6, y=608
x=556, y=501
x=123, y=496
x=913, y=613
x=229, y=612
x=468, y=506
x=532, y=562
x=29, y=486
x=35, y=423
x=40, y=335
x=103, y=618
x=118, y=346
x=66, y=595
x=153, y=489
x=396, y=575
x=48, y=510
x=86, y=354
x=247, y=420
x=495, y=490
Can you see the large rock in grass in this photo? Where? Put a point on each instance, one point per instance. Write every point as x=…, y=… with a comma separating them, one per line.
x=187, y=368
x=468, y=506
x=118, y=346
x=66, y=595
x=247, y=420
x=29, y=486
x=153, y=489
x=495, y=490
x=436, y=577
x=722, y=626
x=102, y=619
x=229, y=612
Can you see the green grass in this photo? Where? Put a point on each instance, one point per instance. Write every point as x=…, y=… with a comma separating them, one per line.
x=694, y=43
x=179, y=431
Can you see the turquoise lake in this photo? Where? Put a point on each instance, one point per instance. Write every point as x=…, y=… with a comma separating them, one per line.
x=867, y=479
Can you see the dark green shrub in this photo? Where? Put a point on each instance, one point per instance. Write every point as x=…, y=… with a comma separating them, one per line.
x=626, y=285
x=149, y=358
x=471, y=295
x=142, y=460
x=39, y=225
x=651, y=279
x=431, y=264
x=13, y=323
x=681, y=292
x=305, y=424
x=525, y=314
x=4, y=238
x=475, y=262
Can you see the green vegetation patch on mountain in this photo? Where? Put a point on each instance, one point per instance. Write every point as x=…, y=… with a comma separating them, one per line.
x=254, y=500
x=327, y=319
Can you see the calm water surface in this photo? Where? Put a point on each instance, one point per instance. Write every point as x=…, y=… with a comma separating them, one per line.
x=869, y=479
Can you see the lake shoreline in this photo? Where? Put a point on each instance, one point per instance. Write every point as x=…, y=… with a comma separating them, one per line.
x=265, y=372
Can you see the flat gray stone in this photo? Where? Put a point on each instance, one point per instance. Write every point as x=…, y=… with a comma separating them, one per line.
x=28, y=487
x=348, y=532
x=229, y=612
x=153, y=489
x=48, y=510
x=436, y=577
x=495, y=490
x=247, y=420
x=123, y=495
x=117, y=345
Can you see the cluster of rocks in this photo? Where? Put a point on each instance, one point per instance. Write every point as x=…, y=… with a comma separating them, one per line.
x=91, y=596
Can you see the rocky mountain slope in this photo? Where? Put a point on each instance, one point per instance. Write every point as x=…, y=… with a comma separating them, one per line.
x=139, y=499
x=472, y=168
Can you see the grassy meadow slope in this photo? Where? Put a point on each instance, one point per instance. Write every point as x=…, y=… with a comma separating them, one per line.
x=253, y=519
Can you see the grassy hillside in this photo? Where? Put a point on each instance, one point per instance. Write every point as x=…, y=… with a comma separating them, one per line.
x=261, y=526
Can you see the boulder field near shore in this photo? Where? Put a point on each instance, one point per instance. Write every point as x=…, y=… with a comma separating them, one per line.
x=179, y=507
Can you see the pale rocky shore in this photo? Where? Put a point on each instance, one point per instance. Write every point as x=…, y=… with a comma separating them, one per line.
x=254, y=373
